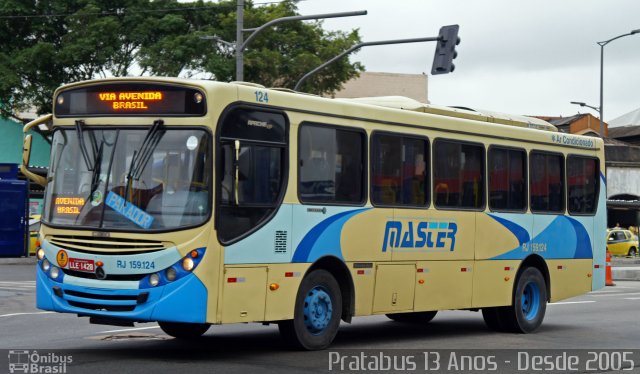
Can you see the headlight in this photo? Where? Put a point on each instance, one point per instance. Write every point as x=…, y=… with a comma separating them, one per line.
x=46, y=265
x=171, y=274
x=54, y=272
x=154, y=279
x=187, y=264
x=40, y=254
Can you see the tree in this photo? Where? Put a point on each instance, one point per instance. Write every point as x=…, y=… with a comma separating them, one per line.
x=47, y=43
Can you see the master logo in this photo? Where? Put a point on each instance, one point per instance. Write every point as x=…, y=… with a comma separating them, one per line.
x=420, y=235
x=62, y=258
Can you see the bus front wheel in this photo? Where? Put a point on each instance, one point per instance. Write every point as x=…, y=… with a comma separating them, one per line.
x=526, y=313
x=317, y=313
x=415, y=317
x=184, y=330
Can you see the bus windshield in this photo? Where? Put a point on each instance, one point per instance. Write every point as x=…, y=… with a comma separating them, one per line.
x=129, y=179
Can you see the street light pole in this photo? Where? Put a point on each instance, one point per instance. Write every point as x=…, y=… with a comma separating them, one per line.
x=241, y=44
x=602, y=44
x=585, y=104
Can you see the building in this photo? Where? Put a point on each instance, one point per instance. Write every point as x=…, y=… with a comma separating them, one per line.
x=370, y=84
x=579, y=124
x=11, y=144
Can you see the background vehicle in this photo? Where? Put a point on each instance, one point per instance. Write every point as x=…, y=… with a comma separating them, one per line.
x=194, y=203
x=621, y=242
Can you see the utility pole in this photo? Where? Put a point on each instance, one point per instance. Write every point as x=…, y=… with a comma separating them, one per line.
x=241, y=44
x=239, y=41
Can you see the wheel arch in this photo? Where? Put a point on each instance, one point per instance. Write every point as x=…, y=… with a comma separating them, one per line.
x=341, y=273
x=539, y=263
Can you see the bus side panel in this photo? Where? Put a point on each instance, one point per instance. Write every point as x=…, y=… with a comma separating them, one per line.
x=493, y=282
x=281, y=301
x=600, y=234
x=244, y=294
x=364, y=276
x=446, y=285
x=395, y=286
x=569, y=278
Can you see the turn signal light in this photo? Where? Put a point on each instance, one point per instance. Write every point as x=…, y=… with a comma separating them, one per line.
x=274, y=286
x=194, y=254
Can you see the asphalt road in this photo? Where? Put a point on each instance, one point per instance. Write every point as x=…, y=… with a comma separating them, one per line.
x=607, y=319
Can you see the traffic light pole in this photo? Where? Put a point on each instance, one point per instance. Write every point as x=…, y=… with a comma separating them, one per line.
x=355, y=48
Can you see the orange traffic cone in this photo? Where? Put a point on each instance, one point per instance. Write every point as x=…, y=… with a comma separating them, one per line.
x=608, y=276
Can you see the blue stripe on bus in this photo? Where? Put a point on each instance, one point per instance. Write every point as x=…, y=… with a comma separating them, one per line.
x=520, y=232
x=324, y=238
x=563, y=238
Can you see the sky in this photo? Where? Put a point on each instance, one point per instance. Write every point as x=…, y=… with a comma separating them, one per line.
x=522, y=57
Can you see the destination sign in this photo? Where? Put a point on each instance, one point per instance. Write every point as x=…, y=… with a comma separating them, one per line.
x=130, y=99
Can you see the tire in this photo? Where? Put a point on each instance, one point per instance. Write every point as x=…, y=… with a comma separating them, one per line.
x=632, y=251
x=415, y=317
x=184, y=330
x=317, y=313
x=529, y=305
x=491, y=317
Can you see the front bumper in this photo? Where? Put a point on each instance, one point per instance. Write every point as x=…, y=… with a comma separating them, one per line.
x=184, y=300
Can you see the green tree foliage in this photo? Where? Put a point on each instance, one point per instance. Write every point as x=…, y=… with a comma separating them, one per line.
x=47, y=43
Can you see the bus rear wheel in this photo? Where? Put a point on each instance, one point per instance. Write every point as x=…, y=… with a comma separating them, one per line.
x=529, y=305
x=184, y=330
x=317, y=313
x=415, y=317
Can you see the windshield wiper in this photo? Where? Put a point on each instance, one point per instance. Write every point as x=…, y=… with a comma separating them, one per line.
x=140, y=158
x=82, y=145
x=97, y=165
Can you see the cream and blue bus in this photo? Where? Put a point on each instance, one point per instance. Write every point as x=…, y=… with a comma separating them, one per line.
x=196, y=203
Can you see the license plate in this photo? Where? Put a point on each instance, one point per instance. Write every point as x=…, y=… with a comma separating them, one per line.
x=81, y=265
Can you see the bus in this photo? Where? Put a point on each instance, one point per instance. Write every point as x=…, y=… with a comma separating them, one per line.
x=196, y=203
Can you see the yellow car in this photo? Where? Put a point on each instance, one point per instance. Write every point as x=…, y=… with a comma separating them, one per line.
x=621, y=242
x=34, y=228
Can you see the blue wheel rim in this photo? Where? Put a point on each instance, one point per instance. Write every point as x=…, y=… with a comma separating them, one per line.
x=318, y=309
x=530, y=301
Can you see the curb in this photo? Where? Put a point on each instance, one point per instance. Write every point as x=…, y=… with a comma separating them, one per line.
x=18, y=261
x=627, y=273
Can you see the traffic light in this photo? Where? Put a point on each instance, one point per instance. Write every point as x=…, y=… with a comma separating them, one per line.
x=445, y=50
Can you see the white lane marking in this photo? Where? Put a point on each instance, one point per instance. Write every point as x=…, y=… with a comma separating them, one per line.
x=131, y=329
x=19, y=283
x=573, y=302
x=23, y=314
x=632, y=298
x=16, y=288
x=617, y=294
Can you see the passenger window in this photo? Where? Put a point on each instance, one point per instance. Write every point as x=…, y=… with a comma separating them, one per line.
x=399, y=170
x=507, y=179
x=331, y=165
x=458, y=175
x=582, y=181
x=547, y=182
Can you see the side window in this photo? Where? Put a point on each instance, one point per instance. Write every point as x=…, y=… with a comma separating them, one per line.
x=331, y=165
x=399, y=170
x=546, y=182
x=582, y=183
x=458, y=175
x=620, y=235
x=251, y=170
x=507, y=179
